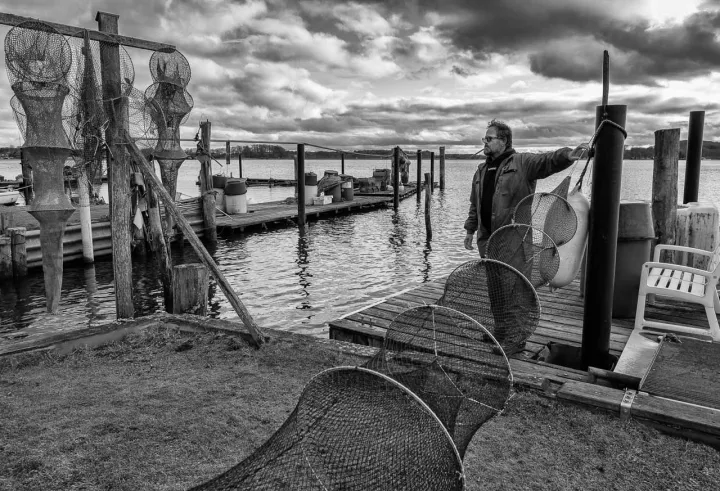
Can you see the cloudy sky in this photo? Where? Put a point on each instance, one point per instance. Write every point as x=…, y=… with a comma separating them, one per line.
x=419, y=73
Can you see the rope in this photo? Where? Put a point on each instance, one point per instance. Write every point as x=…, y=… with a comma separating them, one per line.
x=591, y=152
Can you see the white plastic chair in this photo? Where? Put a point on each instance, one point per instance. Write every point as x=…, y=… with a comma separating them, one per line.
x=683, y=283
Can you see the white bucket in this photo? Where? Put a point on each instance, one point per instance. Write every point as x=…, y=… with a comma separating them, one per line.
x=310, y=193
x=236, y=205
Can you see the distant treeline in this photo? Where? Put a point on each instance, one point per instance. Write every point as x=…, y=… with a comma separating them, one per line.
x=711, y=150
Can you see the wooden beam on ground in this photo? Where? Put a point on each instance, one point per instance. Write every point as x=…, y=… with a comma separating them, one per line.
x=65, y=30
x=197, y=245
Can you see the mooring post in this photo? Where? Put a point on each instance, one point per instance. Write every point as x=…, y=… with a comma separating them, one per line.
x=602, y=246
x=694, y=155
x=6, y=267
x=206, y=183
x=118, y=168
x=158, y=244
x=665, y=184
x=300, y=179
x=396, y=178
x=432, y=171
x=342, y=163
x=428, y=192
x=240, y=161
x=442, y=168
x=227, y=155
x=190, y=289
x=18, y=251
x=85, y=218
x=419, y=174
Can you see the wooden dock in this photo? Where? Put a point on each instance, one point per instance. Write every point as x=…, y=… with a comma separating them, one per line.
x=561, y=322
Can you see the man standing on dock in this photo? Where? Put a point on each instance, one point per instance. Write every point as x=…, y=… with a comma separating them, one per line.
x=505, y=178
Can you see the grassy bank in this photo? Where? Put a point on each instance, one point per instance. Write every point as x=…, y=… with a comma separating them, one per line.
x=163, y=410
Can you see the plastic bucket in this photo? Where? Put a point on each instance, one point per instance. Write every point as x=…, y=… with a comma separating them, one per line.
x=336, y=193
x=331, y=173
x=348, y=194
x=634, y=248
x=310, y=187
x=235, y=187
x=219, y=182
x=236, y=204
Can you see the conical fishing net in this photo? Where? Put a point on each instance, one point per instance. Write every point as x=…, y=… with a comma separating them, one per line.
x=498, y=297
x=36, y=52
x=170, y=67
x=352, y=429
x=549, y=212
x=527, y=249
x=452, y=363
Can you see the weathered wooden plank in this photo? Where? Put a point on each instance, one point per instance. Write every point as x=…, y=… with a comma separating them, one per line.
x=667, y=411
x=592, y=395
x=65, y=30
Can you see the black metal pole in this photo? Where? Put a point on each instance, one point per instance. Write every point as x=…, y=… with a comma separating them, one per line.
x=432, y=171
x=694, y=155
x=342, y=163
x=602, y=247
x=419, y=174
x=301, y=185
x=396, y=178
x=240, y=162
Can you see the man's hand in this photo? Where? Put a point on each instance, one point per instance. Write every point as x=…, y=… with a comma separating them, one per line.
x=579, y=152
x=469, y=241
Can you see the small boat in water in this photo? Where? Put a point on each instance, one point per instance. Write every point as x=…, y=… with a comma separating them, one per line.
x=9, y=197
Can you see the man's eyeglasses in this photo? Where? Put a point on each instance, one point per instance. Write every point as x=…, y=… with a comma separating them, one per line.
x=488, y=139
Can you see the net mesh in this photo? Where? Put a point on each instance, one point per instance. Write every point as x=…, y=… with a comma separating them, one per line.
x=498, y=297
x=549, y=212
x=527, y=249
x=352, y=429
x=170, y=67
x=36, y=52
x=452, y=363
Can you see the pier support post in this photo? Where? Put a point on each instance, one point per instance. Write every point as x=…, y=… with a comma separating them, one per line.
x=18, y=251
x=240, y=161
x=85, y=218
x=432, y=171
x=342, y=163
x=6, y=268
x=694, y=155
x=665, y=184
x=227, y=155
x=190, y=289
x=118, y=168
x=602, y=246
x=159, y=246
x=396, y=178
x=300, y=180
x=206, y=183
x=428, y=192
x=419, y=174
x=442, y=168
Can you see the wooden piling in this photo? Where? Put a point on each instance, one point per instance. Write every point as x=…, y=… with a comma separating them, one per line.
x=227, y=155
x=206, y=183
x=118, y=168
x=240, y=162
x=300, y=180
x=342, y=163
x=6, y=267
x=665, y=184
x=432, y=171
x=694, y=156
x=85, y=219
x=442, y=168
x=190, y=289
x=18, y=251
x=6, y=221
x=602, y=246
x=419, y=174
x=605, y=77
x=198, y=246
x=428, y=193
x=159, y=245
x=396, y=178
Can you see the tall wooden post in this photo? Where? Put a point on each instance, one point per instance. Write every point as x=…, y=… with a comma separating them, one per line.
x=227, y=155
x=6, y=267
x=442, y=167
x=18, y=251
x=428, y=198
x=118, y=168
x=342, y=163
x=206, y=183
x=301, y=185
x=396, y=178
x=240, y=161
x=432, y=171
x=665, y=184
x=190, y=289
x=602, y=246
x=419, y=173
x=694, y=155
x=159, y=246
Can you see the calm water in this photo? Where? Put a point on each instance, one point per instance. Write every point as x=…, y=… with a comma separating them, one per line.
x=300, y=283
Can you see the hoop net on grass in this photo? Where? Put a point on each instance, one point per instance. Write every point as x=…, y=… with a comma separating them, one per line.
x=352, y=429
x=452, y=363
x=527, y=249
x=497, y=296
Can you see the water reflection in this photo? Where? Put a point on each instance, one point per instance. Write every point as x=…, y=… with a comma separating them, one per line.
x=303, y=273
